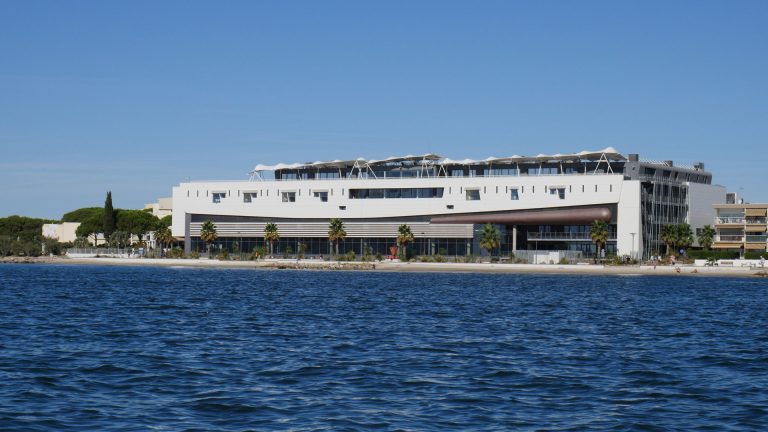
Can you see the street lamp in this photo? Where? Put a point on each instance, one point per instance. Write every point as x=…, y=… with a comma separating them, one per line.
x=632, y=249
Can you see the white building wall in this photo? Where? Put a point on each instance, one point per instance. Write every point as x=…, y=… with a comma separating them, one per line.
x=629, y=222
x=701, y=198
x=495, y=195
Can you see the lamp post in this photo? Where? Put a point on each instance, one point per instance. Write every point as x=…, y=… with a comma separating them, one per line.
x=632, y=249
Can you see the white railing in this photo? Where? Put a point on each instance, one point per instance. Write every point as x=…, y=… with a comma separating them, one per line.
x=730, y=238
x=761, y=238
x=755, y=221
x=729, y=220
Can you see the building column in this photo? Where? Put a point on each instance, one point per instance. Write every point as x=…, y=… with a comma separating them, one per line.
x=514, y=238
x=187, y=236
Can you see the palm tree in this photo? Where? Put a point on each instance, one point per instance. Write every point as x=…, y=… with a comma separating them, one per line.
x=336, y=232
x=489, y=238
x=271, y=236
x=404, y=236
x=599, y=234
x=208, y=234
x=119, y=239
x=163, y=235
x=668, y=236
x=706, y=237
x=684, y=235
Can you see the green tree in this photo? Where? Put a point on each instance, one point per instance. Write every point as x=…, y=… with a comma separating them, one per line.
x=82, y=214
x=489, y=238
x=271, y=235
x=110, y=219
x=208, y=234
x=684, y=235
x=336, y=232
x=404, y=238
x=164, y=236
x=166, y=220
x=119, y=239
x=598, y=232
x=668, y=237
x=22, y=228
x=136, y=222
x=706, y=237
x=91, y=226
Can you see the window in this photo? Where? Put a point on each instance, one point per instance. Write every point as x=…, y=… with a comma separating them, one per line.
x=217, y=196
x=322, y=195
x=473, y=194
x=515, y=195
x=395, y=193
x=504, y=171
x=288, y=176
x=327, y=175
x=249, y=196
x=457, y=173
x=289, y=196
x=560, y=192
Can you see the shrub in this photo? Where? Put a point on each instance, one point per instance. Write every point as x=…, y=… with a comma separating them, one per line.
x=175, y=253
x=223, y=255
x=423, y=258
x=755, y=255
x=439, y=258
x=350, y=255
x=716, y=254
x=379, y=258
x=194, y=255
x=563, y=260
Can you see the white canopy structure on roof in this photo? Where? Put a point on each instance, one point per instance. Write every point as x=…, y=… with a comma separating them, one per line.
x=607, y=155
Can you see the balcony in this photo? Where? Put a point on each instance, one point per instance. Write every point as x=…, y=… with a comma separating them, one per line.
x=761, y=238
x=755, y=221
x=729, y=238
x=729, y=220
x=563, y=236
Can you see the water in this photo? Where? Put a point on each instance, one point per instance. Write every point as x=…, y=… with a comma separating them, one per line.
x=121, y=348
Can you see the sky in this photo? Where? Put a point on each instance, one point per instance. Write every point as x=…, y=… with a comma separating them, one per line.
x=137, y=96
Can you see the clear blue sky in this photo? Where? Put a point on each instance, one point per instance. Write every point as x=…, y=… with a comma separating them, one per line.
x=135, y=97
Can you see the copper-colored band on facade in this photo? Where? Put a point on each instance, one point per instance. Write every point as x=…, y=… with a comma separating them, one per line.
x=574, y=216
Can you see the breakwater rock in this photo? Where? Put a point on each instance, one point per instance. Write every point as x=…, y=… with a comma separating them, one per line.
x=30, y=260
x=333, y=265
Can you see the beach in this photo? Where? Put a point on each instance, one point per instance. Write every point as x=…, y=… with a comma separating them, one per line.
x=397, y=266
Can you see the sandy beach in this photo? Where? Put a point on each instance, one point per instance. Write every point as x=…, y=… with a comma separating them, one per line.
x=396, y=266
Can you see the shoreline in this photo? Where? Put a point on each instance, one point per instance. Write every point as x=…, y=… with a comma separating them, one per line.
x=396, y=266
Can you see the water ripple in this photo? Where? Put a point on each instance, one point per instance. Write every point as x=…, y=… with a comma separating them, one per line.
x=112, y=348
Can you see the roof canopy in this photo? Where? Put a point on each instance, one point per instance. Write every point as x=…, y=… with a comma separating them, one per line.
x=608, y=153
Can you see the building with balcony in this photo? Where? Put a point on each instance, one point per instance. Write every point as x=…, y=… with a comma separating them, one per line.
x=741, y=227
x=543, y=202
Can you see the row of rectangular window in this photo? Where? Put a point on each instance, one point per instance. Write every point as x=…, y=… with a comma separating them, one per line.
x=395, y=193
x=471, y=194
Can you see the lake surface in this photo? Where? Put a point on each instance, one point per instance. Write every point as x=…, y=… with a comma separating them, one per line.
x=129, y=348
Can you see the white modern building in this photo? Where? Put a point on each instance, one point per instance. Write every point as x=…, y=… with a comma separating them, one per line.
x=543, y=202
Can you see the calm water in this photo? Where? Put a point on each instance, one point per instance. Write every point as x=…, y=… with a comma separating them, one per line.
x=111, y=348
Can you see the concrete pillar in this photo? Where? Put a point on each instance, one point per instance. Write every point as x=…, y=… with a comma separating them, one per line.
x=187, y=236
x=514, y=238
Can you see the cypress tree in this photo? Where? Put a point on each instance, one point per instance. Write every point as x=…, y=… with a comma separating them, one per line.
x=109, y=216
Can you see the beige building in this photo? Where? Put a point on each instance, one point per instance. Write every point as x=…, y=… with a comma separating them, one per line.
x=162, y=208
x=741, y=226
x=63, y=232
